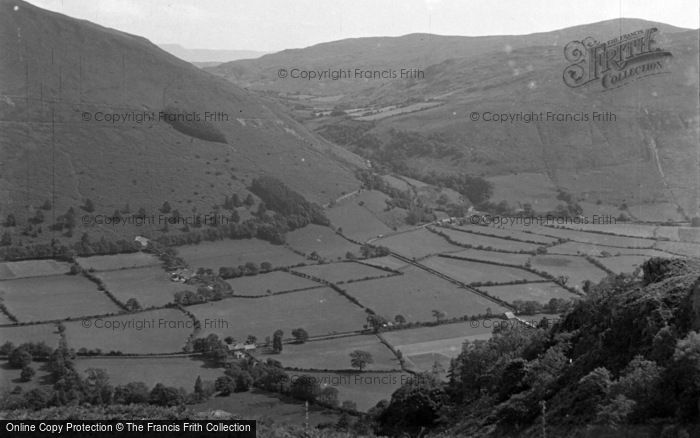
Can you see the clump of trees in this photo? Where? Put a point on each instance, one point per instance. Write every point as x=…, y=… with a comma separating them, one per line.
x=294, y=207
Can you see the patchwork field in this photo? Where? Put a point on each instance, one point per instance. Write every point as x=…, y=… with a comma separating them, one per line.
x=507, y=231
x=594, y=238
x=118, y=261
x=32, y=268
x=578, y=269
x=416, y=294
x=46, y=333
x=322, y=240
x=318, y=311
x=474, y=272
x=418, y=243
x=540, y=292
x=623, y=264
x=622, y=229
x=342, y=272
x=170, y=371
x=479, y=240
x=61, y=296
x=152, y=332
x=151, y=286
x=276, y=281
x=335, y=354
x=365, y=389
x=230, y=253
x=493, y=256
x=390, y=262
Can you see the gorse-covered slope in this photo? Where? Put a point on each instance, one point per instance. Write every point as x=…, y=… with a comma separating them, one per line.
x=88, y=112
x=623, y=362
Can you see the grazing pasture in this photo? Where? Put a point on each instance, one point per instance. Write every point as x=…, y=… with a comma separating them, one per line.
x=507, y=231
x=47, y=333
x=54, y=297
x=334, y=354
x=540, y=292
x=576, y=248
x=32, y=268
x=356, y=221
x=318, y=311
x=152, y=332
x=417, y=244
x=342, y=272
x=493, y=256
x=323, y=241
x=390, y=262
x=170, y=371
x=474, y=272
x=578, y=269
x=118, y=261
x=593, y=238
x=151, y=286
x=680, y=248
x=276, y=281
x=231, y=253
x=479, y=240
x=623, y=264
x=416, y=294
x=365, y=389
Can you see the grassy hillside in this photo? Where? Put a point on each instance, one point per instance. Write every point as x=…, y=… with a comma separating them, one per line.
x=62, y=81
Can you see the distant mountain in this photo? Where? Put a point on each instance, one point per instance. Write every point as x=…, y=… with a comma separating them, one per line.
x=209, y=55
x=645, y=159
x=84, y=113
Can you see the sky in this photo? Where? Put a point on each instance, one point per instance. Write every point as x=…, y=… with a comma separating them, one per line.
x=273, y=25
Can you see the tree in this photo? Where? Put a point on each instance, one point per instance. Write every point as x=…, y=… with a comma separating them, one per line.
x=249, y=201
x=251, y=339
x=400, y=319
x=19, y=358
x=300, y=335
x=162, y=395
x=225, y=385
x=10, y=220
x=414, y=406
x=277, y=341
x=132, y=305
x=376, y=321
x=329, y=396
x=199, y=387
x=165, y=208
x=360, y=359
x=439, y=315
x=265, y=266
x=349, y=405
x=132, y=392
x=305, y=388
x=6, y=239
x=27, y=373
x=229, y=340
x=97, y=386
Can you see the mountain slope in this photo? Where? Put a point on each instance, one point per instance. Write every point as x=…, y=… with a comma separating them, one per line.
x=646, y=158
x=60, y=76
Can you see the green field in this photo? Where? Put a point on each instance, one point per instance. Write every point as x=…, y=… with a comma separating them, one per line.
x=322, y=240
x=507, y=231
x=155, y=331
x=540, y=292
x=578, y=269
x=493, y=256
x=276, y=281
x=54, y=297
x=334, y=354
x=416, y=294
x=170, y=371
x=231, y=253
x=342, y=272
x=594, y=238
x=390, y=262
x=418, y=243
x=30, y=333
x=575, y=248
x=479, y=240
x=318, y=311
x=118, y=261
x=474, y=272
x=32, y=268
x=356, y=221
x=151, y=286
x=623, y=264
x=365, y=389
x=680, y=248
